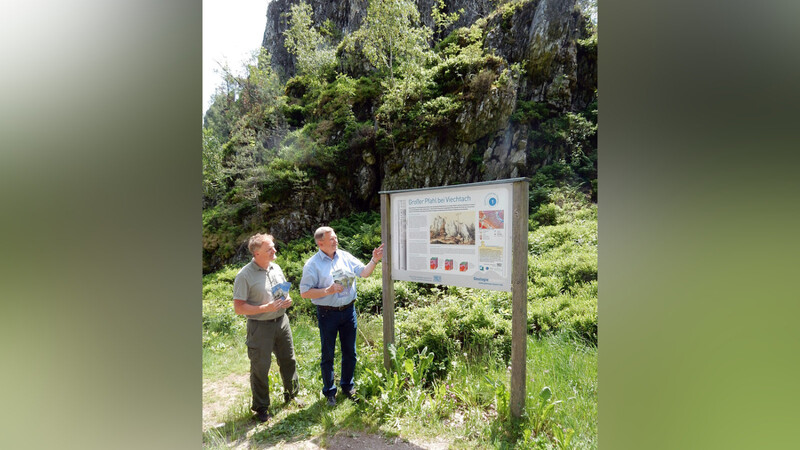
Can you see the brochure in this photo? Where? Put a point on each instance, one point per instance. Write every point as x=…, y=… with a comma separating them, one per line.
x=346, y=279
x=281, y=290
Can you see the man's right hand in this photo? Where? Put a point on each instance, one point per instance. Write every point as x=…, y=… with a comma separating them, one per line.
x=272, y=306
x=335, y=288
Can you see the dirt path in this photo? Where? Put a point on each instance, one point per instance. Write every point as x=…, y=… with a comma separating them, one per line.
x=220, y=395
x=345, y=440
x=356, y=440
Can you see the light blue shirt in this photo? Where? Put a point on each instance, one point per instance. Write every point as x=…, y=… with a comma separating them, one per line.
x=317, y=275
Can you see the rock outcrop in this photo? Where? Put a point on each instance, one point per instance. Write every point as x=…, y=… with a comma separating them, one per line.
x=540, y=35
x=480, y=142
x=346, y=16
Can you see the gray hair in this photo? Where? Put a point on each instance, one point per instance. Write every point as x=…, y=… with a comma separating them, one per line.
x=321, y=232
x=257, y=240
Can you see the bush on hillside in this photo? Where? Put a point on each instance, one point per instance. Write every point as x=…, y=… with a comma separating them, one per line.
x=562, y=287
x=471, y=322
x=562, y=269
x=406, y=294
x=545, y=215
x=563, y=312
x=359, y=234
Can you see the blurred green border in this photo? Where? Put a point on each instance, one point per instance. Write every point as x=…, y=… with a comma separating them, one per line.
x=100, y=187
x=697, y=212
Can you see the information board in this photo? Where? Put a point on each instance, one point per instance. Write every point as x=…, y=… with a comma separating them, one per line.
x=457, y=236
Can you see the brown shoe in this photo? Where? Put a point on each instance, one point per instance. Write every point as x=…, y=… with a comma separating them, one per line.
x=263, y=415
x=293, y=399
x=351, y=394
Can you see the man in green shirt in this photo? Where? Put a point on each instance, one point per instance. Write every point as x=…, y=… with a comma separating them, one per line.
x=268, y=329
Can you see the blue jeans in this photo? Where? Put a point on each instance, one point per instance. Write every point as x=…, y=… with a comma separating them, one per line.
x=344, y=323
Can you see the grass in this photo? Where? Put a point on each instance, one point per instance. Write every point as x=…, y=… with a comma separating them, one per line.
x=468, y=408
x=450, y=376
x=233, y=359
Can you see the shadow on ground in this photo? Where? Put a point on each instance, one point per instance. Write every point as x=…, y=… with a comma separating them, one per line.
x=294, y=431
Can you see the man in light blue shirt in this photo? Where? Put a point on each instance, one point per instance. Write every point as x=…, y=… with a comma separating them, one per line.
x=328, y=281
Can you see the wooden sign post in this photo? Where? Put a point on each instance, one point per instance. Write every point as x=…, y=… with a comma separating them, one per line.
x=388, y=284
x=519, y=298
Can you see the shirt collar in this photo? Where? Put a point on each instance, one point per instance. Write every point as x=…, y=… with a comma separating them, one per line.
x=257, y=267
x=324, y=256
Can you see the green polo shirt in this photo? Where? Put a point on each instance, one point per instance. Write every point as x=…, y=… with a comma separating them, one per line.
x=254, y=285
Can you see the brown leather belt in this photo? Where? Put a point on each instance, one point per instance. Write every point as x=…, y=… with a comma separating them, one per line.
x=268, y=320
x=336, y=308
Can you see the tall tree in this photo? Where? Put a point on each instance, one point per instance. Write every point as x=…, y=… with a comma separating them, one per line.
x=441, y=19
x=392, y=34
x=393, y=39
x=212, y=167
x=313, y=51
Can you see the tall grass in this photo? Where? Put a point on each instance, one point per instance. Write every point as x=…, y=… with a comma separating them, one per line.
x=468, y=407
x=451, y=362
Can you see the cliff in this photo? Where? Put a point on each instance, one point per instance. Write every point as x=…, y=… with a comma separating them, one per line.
x=346, y=16
x=514, y=91
x=541, y=35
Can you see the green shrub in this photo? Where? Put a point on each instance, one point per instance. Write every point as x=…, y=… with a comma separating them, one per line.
x=546, y=214
x=438, y=112
x=562, y=270
x=291, y=263
x=565, y=312
x=218, y=316
x=366, y=95
x=471, y=322
x=295, y=115
x=400, y=391
x=301, y=307
x=370, y=294
x=219, y=320
x=297, y=87
x=479, y=85
x=530, y=112
x=359, y=233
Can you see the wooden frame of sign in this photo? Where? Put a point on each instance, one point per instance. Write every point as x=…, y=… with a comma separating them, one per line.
x=518, y=278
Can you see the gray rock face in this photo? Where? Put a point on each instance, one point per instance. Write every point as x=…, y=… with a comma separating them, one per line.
x=488, y=115
x=542, y=34
x=479, y=144
x=506, y=155
x=430, y=162
x=346, y=15
x=539, y=34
